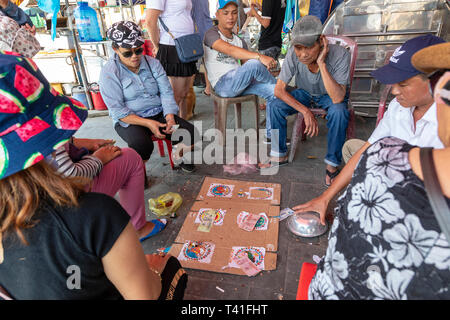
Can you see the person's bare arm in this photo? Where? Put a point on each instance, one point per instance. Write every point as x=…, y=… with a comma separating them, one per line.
x=335, y=90
x=265, y=22
x=126, y=267
x=320, y=204
x=242, y=54
x=151, y=24
x=312, y=128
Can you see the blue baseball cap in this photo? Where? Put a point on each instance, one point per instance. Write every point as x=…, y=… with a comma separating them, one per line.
x=223, y=3
x=400, y=67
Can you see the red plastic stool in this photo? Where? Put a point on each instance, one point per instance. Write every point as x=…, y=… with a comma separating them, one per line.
x=161, y=148
x=306, y=275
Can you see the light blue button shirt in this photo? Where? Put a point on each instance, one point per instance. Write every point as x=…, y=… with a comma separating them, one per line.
x=144, y=94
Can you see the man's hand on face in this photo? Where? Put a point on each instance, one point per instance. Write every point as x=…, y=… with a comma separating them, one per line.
x=324, y=51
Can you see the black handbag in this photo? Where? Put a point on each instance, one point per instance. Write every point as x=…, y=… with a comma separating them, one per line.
x=189, y=47
x=434, y=192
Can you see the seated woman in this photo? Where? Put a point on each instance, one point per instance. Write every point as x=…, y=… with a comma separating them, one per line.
x=109, y=169
x=139, y=96
x=385, y=241
x=56, y=240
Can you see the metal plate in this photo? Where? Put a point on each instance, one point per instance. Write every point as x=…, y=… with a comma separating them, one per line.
x=306, y=224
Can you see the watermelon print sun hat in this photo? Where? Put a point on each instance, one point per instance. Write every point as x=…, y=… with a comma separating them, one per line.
x=34, y=118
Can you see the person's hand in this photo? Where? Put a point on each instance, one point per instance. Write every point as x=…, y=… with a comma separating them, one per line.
x=269, y=62
x=324, y=51
x=30, y=29
x=169, y=126
x=318, y=204
x=107, y=153
x=154, y=126
x=253, y=11
x=92, y=144
x=158, y=261
x=155, y=51
x=312, y=127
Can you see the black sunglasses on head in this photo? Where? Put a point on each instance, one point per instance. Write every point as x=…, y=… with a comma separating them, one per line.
x=128, y=54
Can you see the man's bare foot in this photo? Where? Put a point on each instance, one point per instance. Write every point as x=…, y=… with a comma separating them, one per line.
x=145, y=230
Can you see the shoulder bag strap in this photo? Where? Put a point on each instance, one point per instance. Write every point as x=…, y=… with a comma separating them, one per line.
x=434, y=192
x=165, y=28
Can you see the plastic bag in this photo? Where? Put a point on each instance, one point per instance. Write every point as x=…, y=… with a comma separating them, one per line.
x=50, y=6
x=165, y=204
x=241, y=164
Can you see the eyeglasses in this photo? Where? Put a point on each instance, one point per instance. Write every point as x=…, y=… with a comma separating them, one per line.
x=128, y=54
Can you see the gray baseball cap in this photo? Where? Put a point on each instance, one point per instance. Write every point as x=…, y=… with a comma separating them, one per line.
x=306, y=31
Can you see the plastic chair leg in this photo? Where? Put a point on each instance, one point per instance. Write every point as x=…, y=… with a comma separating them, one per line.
x=169, y=151
x=238, y=115
x=161, y=148
x=220, y=116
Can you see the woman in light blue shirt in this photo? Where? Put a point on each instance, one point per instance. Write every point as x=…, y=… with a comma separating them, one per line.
x=138, y=94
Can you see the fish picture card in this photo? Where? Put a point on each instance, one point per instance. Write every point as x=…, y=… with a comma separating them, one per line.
x=241, y=191
x=220, y=190
x=200, y=251
x=218, y=219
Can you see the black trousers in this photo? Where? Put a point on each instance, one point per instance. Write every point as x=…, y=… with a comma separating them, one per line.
x=139, y=138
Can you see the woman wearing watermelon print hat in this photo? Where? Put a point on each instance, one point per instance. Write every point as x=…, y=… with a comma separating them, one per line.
x=49, y=224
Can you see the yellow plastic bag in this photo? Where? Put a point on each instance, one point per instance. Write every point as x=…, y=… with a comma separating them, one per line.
x=165, y=204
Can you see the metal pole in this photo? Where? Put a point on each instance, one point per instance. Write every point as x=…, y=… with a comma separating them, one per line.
x=79, y=58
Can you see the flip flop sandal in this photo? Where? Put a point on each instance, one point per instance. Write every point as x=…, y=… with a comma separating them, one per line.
x=274, y=164
x=206, y=94
x=159, y=225
x=331, y=175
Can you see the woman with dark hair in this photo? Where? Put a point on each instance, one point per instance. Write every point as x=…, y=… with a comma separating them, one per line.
x=139, y=97
x=58, y=241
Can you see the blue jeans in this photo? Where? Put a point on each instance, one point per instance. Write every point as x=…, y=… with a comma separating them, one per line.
x=337, y=122
x=251, y=78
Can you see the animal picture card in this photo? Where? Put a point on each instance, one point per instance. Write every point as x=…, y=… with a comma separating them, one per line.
x=218, y=219
x=255, y=254
x=261, y=224
x=219, y=190
x=200, y=251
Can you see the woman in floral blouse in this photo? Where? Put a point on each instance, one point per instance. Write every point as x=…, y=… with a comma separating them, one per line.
x=385, y=241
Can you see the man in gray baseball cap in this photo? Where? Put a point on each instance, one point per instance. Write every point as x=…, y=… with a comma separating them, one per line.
x=321, y=74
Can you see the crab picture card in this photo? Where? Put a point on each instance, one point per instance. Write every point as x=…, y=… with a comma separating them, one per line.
x=242, y=191
x=225, y=228
x=193, y=255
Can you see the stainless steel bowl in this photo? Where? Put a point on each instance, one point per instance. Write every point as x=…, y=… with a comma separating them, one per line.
x=306, y=224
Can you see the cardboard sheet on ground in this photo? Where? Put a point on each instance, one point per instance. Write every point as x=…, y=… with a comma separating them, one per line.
x=242, y=191
x=225, y=229
x=208, y=246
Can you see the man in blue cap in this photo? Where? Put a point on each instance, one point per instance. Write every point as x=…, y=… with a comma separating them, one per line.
x=411, y=116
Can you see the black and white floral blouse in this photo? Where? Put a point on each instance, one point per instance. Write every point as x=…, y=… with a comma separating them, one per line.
x=385, y=242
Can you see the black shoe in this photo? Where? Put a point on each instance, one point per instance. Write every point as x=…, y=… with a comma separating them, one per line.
x=187, y=167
